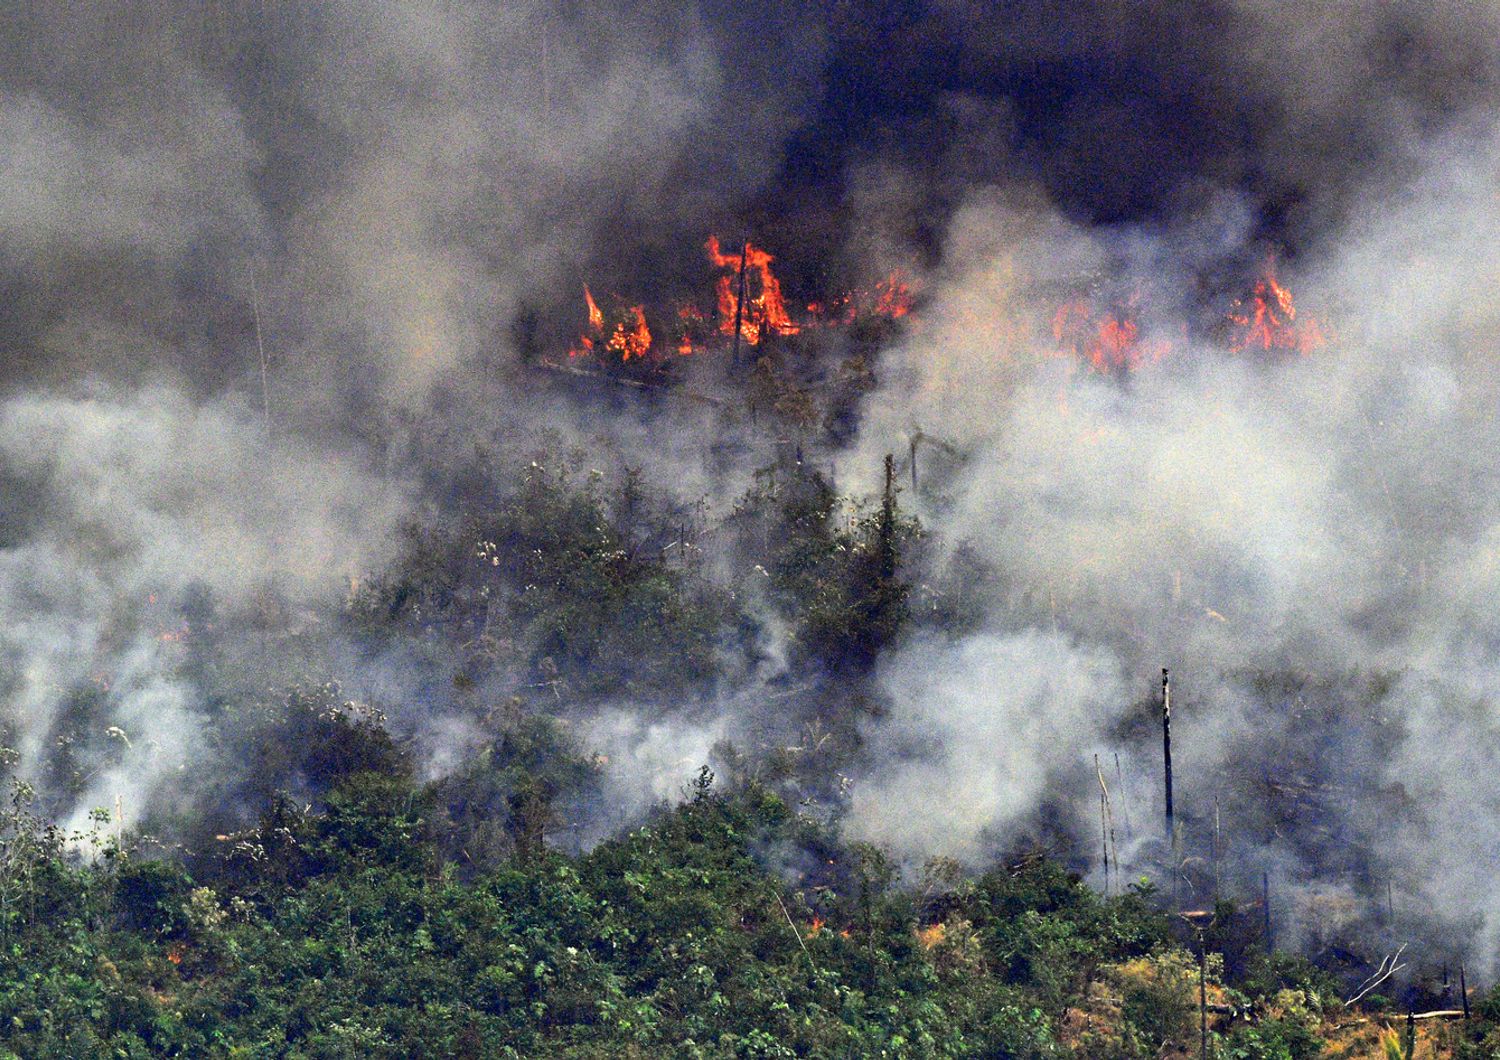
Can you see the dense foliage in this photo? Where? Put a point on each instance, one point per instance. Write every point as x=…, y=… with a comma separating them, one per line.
x=344, y=932
x=319, y=895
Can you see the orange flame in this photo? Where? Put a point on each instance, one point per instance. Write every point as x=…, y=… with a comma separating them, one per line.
x=629, y=338
x=623, y=334
x=932, y=936
x=817, y=926
x=764, y=311
x=893, y=297
x=689, y=320
x=1268, y=319
x=1110, y=342
x=596, y=317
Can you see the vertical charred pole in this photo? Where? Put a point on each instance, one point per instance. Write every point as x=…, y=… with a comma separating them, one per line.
x=886, y=535
x=1411, y=1031
x=1166, y=751
x=1265, y=908
x=914, y=464
x=739, y=307
x=1463, y=990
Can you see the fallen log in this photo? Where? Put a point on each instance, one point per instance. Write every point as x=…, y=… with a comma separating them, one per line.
x=636, y=384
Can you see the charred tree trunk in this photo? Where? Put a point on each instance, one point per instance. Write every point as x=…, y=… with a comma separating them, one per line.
x=1265, y=908
x=1166, y=754
x=739, y=308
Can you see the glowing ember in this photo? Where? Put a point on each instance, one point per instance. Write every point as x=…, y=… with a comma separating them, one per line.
x=893, y=297
x=690, y=322
x=765, y=308
x=1268, y=319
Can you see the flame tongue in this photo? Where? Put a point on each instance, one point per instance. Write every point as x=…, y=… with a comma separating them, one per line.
x=627, y=339
x=765, y=308
x=1267, y=320
x=596, y=318
x=1108, y=341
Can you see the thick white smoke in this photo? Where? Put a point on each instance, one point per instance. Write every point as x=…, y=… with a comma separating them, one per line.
x=123, y=507
x=1219, y=512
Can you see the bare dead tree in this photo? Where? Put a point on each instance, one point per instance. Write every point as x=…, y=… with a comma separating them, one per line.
x=1107, y=829
x=739, y=307
x=260, y=349
x=1389, y=966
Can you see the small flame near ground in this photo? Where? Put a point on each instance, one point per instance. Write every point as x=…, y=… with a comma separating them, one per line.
x=1115, y=339
x=626, y=338
x=1108, y=341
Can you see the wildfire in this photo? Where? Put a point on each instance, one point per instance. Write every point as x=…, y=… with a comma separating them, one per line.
x=1110, y=341
x=765, y=308
x=1268, y=319
x=628, y=338
x=932, y=936
x=893, y=297
x=1113, y=339
x=623, y=335
x=690, y=320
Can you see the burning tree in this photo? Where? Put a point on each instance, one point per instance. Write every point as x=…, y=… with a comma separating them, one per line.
x=622, y=337
x=749, y=307
x=1267, y=319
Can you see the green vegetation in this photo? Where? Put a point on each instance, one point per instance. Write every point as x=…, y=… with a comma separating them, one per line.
x=344, y=931
x=315, y=896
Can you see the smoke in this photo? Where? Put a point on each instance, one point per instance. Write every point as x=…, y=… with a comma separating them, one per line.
x=1232, y=515
x=981, y=730
x=269, y=275
x=135, y=523
x=644, y=763
x=260, y=266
